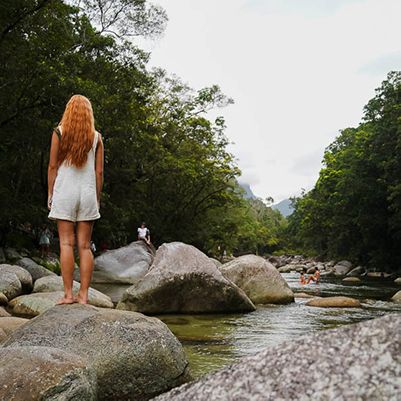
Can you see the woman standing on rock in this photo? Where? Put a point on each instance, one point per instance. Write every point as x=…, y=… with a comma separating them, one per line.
x=75, y=180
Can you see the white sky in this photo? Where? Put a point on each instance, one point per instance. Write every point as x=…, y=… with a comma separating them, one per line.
x=298, y=71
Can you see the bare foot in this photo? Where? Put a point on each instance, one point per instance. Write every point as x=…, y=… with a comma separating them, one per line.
x=65, y=300
x=82, y=300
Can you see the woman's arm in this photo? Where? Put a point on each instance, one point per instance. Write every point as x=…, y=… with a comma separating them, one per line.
x=99, y=163
x=53, y=168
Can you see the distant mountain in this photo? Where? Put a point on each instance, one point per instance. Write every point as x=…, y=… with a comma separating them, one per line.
x=284, y=207
x=248, y=191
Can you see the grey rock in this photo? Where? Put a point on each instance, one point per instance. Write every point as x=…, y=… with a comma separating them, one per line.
x=342, y=268
x=397, y=281
x=55, y=283
x=135, y=357
x=124, y=265
x=32, y=305
x=311, y=270
x=24, y=276
x=12, y=255
x=259, y=279
x=216, y=262
x=182, y=279
x=356, y=362
x=10, y=285
x=35, y=270
x=356, y=271
x=45, y=374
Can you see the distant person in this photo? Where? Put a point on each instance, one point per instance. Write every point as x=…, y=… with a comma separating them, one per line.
x=44, y=241
x=75, y=180
x=144, y=233
x=302, y=278
x=316, y=276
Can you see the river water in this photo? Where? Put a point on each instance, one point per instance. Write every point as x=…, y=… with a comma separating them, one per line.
x=213, y=341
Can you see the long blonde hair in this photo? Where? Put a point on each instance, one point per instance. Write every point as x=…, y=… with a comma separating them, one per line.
x=78, y=129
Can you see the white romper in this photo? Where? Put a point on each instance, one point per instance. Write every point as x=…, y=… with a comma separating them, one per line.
x=74, y=194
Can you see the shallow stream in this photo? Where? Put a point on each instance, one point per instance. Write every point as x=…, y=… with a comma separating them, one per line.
x=213, y=341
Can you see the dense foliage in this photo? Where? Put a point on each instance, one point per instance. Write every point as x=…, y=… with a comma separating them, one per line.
x=166, y=162
x=354, y=210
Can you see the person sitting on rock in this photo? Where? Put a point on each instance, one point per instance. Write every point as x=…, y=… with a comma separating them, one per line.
x=144, y=233
x=316, y=277
x=302, y=278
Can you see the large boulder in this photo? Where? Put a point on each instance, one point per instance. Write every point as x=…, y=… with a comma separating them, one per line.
x=55, y=283
x=342, y=268
x=182, y=279
x=10, y=285
x=135, y=357
x=24, y=277
x=45, y=374
x=124, y=265
x=36, y=271
x=334, y=302
x=259, y=279
x=3, y=299
x=367, y=353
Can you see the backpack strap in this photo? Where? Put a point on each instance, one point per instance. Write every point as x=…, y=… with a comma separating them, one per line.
x=58, y=133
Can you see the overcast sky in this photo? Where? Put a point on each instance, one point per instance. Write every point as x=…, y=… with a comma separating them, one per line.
x=298, y=71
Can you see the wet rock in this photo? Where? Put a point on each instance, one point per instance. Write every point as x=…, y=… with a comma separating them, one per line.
x=124, y=265
x=24, y=277
x=259, y=279
x=352, y=280
x=367, y=353
x=378, y=274
x=135, y=357
x=45, y=374
x=303, y=295
x=334, y=302
x=55, y=283
x=35, y=270
x=311, y=270
x=342, y=268
x=397, y=281
x=10, y=285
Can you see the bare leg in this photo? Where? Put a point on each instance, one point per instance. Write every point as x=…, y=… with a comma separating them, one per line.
x=67, y=240
x=84, y=234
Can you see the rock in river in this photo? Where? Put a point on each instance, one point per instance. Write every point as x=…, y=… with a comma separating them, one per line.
x=182, y=279
x=123, y=265
x=396, y=297
x=342, y=268
x=334, y=302
x=135, y=357
x=259, y=279
x=45, y=374
x=356, y=362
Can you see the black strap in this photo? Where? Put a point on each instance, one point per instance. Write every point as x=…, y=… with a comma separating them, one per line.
x=57, y=131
